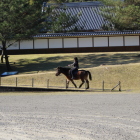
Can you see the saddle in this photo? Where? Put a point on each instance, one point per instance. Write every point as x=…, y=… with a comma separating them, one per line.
x=74, y=73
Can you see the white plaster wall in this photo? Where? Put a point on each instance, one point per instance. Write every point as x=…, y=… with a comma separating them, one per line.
x=100, y=41
x=70, y=42
x=26, y=44
x=55, y=43
x=14, y=46
x=131, y=40
x=41, y=43
x=85, y=42
x=115, y=41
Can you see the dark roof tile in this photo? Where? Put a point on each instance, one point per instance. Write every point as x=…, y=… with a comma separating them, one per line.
x=99, y=33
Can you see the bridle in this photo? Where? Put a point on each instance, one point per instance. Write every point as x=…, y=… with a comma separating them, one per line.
x=58, y=71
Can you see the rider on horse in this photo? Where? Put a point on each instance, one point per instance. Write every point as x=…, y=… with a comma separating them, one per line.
x=75, y=67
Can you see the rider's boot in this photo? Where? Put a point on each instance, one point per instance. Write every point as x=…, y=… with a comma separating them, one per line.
x=72, y=76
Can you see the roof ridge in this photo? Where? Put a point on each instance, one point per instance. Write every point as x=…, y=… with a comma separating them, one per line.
x=82, y=4
x=87, y=33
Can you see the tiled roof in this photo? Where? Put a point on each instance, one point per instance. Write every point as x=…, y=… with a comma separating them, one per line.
x=89, y=18
x=78, y=34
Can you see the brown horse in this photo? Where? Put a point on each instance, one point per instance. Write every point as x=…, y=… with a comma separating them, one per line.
x=81, y=75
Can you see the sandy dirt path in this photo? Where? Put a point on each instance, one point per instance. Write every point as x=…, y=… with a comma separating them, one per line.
x=73, y=116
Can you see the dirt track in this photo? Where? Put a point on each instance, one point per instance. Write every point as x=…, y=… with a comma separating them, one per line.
x=73, y=116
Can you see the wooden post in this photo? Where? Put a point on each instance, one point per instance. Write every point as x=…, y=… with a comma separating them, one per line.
x=119, y=86
x=16, y=81
x=32, y=82
x=103, y=86
x=48, y=83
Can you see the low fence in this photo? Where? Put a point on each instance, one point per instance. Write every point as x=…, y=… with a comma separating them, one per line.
x=15, y=82
x=114, y=86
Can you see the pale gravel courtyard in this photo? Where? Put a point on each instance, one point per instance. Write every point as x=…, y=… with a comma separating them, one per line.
x=70, y=116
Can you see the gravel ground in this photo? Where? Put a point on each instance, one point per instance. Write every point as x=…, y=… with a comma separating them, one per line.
x=73, y=116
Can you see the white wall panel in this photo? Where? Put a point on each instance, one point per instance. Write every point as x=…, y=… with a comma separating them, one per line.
x=55, y=43
x=41, y=43
x=100, y=41
x=131, y=40
x=85, y=42
x=116, y=41
x=73, y=42
x=70, y=42
x=14, y=46
x=26, y=44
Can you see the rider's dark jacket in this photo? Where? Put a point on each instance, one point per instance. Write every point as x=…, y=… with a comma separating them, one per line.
x=75, y=68
x=76, y=65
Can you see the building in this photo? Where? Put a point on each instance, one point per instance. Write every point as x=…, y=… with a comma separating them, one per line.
x=91, y=39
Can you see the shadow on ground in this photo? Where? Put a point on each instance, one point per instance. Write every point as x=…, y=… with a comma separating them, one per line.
x=85, y=61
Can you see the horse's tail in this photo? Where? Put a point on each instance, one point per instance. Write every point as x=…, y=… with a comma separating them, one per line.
x=90, y=77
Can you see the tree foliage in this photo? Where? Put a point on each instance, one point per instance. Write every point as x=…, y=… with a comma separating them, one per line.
x=19, y=19
x=121, y=15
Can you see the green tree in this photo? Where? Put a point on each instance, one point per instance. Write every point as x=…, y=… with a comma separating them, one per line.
x=121, y=15
x=19, y=20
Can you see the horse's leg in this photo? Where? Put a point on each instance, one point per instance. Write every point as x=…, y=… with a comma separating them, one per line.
x=73, y=83
x=67, y=84
x=81, y=83
x=87, y=84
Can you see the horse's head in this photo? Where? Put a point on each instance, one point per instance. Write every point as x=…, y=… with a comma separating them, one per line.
x=58, y=71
